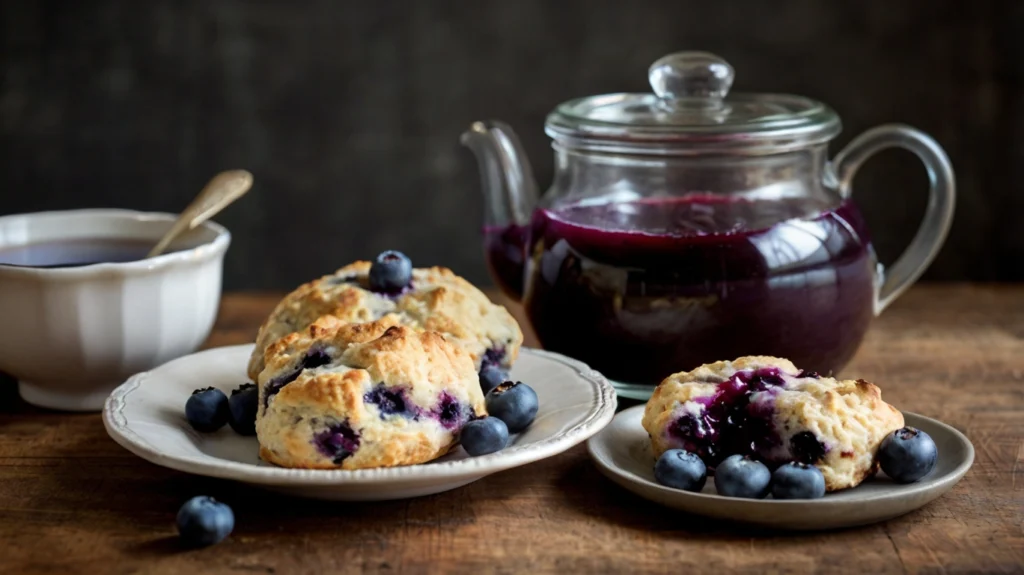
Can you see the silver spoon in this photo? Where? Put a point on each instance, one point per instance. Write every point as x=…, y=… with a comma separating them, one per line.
x=224, y=188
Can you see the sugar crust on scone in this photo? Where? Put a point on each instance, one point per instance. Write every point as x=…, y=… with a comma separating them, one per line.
x=438, y=300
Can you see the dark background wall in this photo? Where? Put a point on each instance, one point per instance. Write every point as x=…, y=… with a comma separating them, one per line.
x=349, y=113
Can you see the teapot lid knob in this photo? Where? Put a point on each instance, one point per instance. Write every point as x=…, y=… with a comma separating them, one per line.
x=691, y=76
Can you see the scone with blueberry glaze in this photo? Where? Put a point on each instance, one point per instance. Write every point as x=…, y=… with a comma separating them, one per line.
x=436, y=299
x=355, y=396
x=767, y=408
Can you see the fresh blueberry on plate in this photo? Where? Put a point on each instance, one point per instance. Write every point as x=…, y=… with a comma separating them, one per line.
x=680, y=469
x=391, y=272
x=907, y=454
x=207, y=409
x=492, y=376
x=795, y=480
x=741, y=476
x=483, y=436
x=242, y=406
x=204, y=521
x=513, y=402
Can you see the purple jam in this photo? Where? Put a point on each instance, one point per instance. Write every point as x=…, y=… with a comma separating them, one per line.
x=337, y=442
x=643, y=289
x=730, y=422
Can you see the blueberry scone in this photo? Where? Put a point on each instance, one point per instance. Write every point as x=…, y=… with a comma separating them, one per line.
x=355, y=396
x=432, y=299
x=767, y=408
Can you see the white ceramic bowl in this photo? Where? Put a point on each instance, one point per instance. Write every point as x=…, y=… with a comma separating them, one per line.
x=71, y=335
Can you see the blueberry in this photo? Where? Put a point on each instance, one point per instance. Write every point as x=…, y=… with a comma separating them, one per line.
x=242, y=408
x=204, y=521
x=315, y=358
x=390, y=401
x=513, y=402
x=806, y=448
x=483, y=436
x=492, y=376
x=907, y=455
x=450, y=412
x=338, y=442
x=207, y=409
x=681, y=469
x=797, y=481
x=741, y=476
x=390, y=273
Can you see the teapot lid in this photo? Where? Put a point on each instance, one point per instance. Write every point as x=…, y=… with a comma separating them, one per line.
x=692, y=111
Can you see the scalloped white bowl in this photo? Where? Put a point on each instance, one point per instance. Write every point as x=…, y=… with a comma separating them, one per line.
x=146, y=416
x=71, y=335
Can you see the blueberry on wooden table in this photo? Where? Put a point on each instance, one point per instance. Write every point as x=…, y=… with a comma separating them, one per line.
x=204, y=521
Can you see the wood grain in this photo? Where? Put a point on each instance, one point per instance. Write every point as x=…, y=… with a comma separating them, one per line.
x=73, y=501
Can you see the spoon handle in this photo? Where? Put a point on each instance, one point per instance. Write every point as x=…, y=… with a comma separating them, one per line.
x=224, y=188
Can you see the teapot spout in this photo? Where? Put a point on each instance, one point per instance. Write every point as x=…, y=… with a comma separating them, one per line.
x=510, y=195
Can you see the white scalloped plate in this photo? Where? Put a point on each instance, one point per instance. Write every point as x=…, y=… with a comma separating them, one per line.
x=622, y=451
x=146, y=416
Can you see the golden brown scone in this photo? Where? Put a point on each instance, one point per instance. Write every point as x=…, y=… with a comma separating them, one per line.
x=767, y=408
x=438, y=300
x=355, y=396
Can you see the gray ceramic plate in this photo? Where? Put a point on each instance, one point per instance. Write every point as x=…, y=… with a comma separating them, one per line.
x=622, y=452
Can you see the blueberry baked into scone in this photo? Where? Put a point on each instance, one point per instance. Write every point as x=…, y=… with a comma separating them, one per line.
x=427, y=299
x=351, y=396
x=767, y=409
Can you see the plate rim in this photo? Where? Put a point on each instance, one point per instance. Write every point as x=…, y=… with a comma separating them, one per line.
x=940, y=484
x=599, y=415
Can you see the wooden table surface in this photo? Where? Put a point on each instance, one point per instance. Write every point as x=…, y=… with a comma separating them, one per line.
x=72, y=500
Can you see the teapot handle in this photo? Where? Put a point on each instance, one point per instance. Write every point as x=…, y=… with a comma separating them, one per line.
x=938, y=215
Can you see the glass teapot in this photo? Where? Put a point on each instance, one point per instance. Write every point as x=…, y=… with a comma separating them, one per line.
x=693, y=225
